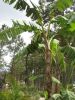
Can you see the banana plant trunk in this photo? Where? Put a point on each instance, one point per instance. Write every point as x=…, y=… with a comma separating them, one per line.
x=48, y=73
x=48, y=70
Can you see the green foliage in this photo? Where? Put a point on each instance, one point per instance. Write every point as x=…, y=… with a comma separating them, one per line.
x=13, y=95
x=62, y=5
x=17, y=29
x=64, y=95
x=54, y=45
x=14, y=92
x=55, y=80
x=56, y=97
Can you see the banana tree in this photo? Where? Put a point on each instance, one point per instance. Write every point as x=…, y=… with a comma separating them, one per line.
x=49, y=12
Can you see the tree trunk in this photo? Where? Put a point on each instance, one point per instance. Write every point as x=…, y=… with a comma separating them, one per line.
x=26, y=78
x=57, y=86
x=48, y=74
x=48, y=70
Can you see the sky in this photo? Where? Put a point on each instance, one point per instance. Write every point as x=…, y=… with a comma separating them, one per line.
x=7, y=14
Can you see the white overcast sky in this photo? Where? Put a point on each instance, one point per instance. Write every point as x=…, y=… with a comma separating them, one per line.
x=7, y=14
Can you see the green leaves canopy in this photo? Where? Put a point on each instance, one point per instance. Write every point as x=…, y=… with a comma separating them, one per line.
x=61, y=5
x=17, y=29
